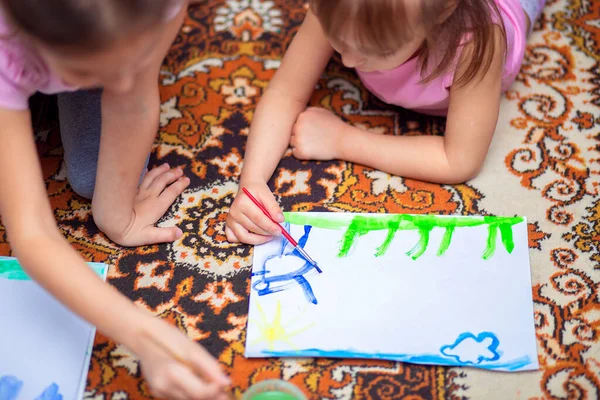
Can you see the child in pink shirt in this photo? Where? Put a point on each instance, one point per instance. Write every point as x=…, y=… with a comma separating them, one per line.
x=115, y=47
x=450, y=58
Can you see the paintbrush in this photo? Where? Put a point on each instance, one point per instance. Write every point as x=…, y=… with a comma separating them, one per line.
x=182, y=360
x=284, y=231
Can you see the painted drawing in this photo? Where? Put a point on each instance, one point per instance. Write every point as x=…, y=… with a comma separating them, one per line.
x=267, y=282
x=426, y=289
x=11, y=387
x=45, y=349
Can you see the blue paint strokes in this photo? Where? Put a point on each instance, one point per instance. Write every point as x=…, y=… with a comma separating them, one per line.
x=269, y=284
x=430, y=359
x=10, y=387
x=470, y=349
x=308, y=292
x=303, y=240
x=302, y=243
x=51, y=393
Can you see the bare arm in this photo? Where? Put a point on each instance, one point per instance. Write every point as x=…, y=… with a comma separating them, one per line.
x=129, y=126
x=37, y=242
x=285, y=98
x=48, y=258
x=453, y=158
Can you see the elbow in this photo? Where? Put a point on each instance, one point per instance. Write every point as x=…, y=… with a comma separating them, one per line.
x=102, y=220
x=102, y=223
x=461, y=172
x=461, y=165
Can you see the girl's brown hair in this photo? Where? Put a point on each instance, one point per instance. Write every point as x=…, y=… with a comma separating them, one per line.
x=82, y=24
x=386, y=25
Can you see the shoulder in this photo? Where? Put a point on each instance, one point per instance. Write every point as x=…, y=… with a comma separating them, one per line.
x=22, y=73
x=482, y=58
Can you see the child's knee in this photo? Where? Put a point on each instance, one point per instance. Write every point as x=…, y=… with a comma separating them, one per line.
x=82, y=184
x=80, y=129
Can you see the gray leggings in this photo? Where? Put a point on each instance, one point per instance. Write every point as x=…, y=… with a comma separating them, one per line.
x=80, y=115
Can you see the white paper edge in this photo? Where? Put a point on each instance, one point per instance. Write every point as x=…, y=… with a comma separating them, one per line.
x=535, y=364
x=88, y=356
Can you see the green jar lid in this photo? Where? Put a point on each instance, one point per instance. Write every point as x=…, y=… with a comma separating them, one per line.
x=273, y=389
x=273, y=396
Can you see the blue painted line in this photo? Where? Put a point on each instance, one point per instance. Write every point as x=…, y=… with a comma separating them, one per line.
x=432, y=359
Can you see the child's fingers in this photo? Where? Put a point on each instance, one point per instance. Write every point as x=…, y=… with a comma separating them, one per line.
x=248, y=237
x=230, y=235
x=191, y=386
x=268, y=201
x=153, y=235
x=171, y=193
x=163, y=180
x=149, y=177
x=257, y=222
x=252, y=213
x=248, y=223
x=293, y=141
x=170, y=393
x=210, y=368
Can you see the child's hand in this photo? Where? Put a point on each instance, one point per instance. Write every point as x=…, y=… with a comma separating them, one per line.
x=171, y=378
x=158, y=190
x=246, y=223
x=317, y=135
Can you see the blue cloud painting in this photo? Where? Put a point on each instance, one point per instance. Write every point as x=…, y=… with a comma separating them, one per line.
x=469, y=349
x=10, y=387
x=51, y=393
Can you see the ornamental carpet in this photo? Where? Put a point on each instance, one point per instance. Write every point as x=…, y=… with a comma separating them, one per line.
x=544, y=164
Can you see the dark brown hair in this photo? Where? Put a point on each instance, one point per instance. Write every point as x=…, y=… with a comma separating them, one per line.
x=82, y=24
x=385, y=25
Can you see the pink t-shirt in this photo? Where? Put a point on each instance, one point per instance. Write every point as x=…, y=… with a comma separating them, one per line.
x=23, y=71
x=401, y=86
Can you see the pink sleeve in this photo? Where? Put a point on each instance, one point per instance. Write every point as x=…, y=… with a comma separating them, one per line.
x=22, y=73
x=12, y=95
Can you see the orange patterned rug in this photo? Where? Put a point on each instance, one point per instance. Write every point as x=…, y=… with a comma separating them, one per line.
x=544, y=164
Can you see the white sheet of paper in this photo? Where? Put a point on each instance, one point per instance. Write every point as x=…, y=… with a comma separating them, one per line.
x=470, y=306
x=45, y=349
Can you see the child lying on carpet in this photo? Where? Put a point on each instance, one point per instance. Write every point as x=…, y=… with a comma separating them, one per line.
x=448, y=58
x=68, y=45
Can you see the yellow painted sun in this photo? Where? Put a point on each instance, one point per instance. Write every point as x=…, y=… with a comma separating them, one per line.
x=275, y=331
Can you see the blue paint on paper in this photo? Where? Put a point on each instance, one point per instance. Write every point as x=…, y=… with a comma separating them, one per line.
x=469, y=349
x=51, y=393
x=10, y=387
x=430, y=359
x=268, y=283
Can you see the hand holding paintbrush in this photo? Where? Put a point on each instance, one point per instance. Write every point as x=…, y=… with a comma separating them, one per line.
x=176, y=367
x=284, y=232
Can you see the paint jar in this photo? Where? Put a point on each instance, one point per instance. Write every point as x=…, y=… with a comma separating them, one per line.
x=273, y=389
